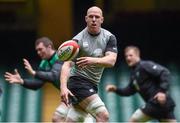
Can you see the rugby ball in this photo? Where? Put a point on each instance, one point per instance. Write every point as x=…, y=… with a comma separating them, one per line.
x=68, y=50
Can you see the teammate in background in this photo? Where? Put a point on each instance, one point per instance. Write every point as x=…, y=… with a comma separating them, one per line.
x=48, y=71
x=151, y=81
x=98, y=50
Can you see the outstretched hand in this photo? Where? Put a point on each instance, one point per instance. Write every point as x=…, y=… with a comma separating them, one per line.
x=111, y=88
x=28, y=67
x=13, y=78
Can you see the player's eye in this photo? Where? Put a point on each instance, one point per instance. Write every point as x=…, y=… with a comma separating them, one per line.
x=90, y=16
x=97, y=17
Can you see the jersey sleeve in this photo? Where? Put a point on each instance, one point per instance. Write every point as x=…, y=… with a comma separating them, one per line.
x=52, y=75
x=112, y=44
x=33, y=83
x=77, y=37
x=159, y=72
x=127, y=91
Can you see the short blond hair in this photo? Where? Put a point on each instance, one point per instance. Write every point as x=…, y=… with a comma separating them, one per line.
x=132, y=47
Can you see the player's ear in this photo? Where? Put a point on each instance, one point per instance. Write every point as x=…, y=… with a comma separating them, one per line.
x=49, y=46
x=102, y=19
x=86, y=17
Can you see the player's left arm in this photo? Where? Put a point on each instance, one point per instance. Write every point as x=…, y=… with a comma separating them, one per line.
x=52, y=75
x=159, y=72
x=107, y=61
x=163, y=75
x=110, y=53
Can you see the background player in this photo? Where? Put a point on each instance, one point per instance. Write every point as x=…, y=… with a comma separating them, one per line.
x=48, y=71
x=151, y=81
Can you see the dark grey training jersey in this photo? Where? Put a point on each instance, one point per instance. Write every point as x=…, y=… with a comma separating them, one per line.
x=93, y=46
x=148, y=78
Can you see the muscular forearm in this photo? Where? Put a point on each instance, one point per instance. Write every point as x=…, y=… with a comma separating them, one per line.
x=65, y=74
x=107, y=61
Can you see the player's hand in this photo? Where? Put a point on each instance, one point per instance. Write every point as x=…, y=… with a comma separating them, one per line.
x=14, y=78
x=65, y=92
x=111, y=88
x=28, y=67
x=84, y=61
x=160, y=97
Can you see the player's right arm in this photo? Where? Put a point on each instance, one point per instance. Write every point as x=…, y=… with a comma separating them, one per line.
x=51, y=75
x=16, y=78
x=121, y=91
x=65, y=92
x=33, y=84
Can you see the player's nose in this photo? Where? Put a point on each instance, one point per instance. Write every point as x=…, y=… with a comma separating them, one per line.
x=94, y=18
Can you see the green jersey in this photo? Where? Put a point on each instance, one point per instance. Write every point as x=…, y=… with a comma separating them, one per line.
x=49, y=71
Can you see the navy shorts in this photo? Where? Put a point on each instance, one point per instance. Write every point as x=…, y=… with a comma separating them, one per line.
x=158, y=112
x=81, y=88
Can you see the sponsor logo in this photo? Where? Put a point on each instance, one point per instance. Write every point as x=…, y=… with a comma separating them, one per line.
x=91, y=90
x=154, y=67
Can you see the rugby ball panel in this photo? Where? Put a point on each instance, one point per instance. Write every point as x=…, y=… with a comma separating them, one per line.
x=68, y=50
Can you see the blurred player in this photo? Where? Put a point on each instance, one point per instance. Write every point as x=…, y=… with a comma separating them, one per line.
x=98, y=50
x=48, y=71
x=151, y=81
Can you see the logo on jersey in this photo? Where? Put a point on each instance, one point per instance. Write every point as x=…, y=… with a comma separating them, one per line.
x=114, y=48
x=85, y=44
x=154, y=67
x=136, y=85
x=137, y=74
x=91, y=90
x=98, y=52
